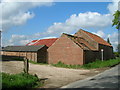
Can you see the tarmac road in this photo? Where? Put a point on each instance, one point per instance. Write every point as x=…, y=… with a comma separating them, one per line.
x=108, y=79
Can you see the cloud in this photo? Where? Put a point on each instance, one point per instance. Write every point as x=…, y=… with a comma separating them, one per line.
x=89, y=19
x=15, y=13
x=113, y=6
x=113, y=37
x=48, y=37
x=19, y=40
x=27, y=0
x=82, y=20
x=100, y=33
x=22, y=39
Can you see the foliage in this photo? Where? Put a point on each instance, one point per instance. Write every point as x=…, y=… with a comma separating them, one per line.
x=96, y=64
x=21, y=80
x=116, y=54
x=116, y=20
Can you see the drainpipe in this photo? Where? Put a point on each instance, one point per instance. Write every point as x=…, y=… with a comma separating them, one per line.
x=102, y=54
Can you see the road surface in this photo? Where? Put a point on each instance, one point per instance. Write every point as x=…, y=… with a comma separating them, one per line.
x=108, y=79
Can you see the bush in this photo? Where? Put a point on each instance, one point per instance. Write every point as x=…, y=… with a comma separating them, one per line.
x=116, y=54
x=21, y=80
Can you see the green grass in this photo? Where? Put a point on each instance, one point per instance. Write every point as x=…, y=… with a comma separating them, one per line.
x=96, y=64
x=101, y=64
x=21, y=80
x=60, y=64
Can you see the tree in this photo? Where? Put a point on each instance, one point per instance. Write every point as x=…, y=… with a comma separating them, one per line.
x=108, y=40
x=116, y=20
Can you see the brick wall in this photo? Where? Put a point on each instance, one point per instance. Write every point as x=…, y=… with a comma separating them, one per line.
x=66, y=51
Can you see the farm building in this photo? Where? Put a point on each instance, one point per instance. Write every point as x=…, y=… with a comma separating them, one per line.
x=81, y=48
x=34, y=53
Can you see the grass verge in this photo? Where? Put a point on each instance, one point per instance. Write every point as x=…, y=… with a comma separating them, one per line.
x=101, y=64
x=96, y=64
x=21, y=80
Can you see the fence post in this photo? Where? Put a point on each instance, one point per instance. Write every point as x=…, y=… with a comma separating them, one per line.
x=26, y=65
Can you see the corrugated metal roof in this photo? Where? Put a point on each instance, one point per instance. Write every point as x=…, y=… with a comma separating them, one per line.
x=23, y=48
x=47, y=42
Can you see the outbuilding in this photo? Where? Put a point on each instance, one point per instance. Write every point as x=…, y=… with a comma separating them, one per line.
x=34, y=53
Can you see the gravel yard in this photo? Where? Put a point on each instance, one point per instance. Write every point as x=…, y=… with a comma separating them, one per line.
x=54, y=77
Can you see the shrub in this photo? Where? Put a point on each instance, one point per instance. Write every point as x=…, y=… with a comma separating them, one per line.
x=21, y=80
x=116, y=54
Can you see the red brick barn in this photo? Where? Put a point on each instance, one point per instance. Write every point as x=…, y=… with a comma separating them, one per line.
x=81, y=48
x=98, y=43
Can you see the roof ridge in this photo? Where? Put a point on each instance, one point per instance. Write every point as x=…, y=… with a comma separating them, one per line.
x=91, y=33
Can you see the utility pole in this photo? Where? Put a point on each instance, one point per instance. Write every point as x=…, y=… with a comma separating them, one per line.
x=102, y=57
